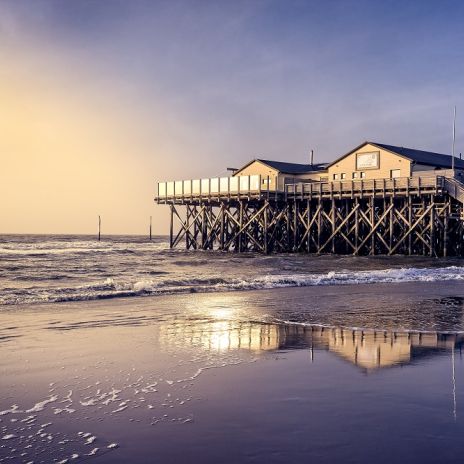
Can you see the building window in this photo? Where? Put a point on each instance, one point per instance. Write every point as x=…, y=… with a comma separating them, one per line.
x=324, y=179
x=354, y=175
x=335, y=177
x=394, y=173
x=265, y=181
x=362, y=175
x=343, y=175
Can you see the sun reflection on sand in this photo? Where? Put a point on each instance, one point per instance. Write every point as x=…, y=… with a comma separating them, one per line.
x=221, y=335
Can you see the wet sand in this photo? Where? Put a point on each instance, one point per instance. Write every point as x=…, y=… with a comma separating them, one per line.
x=225, y=377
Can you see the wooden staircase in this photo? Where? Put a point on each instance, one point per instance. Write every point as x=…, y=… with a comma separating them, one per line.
x=454, y=188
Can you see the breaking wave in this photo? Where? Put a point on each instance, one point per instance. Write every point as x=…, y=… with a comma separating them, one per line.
x=111, y=288
x=77, y=248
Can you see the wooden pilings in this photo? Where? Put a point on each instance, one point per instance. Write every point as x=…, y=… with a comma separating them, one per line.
x=428, y=225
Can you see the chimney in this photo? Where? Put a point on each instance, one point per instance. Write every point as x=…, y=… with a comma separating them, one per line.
x=312, y=157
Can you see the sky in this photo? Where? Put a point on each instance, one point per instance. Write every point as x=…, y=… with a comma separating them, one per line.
x=102, y=99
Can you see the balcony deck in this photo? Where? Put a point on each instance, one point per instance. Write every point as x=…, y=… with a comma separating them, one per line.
x=224, y=189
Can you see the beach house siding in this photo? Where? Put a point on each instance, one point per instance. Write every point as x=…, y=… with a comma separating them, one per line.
x=256, y=167
x=277, y=177
x=306, y=177
x=369, y=162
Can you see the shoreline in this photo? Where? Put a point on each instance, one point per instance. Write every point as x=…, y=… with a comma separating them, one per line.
x=113, y=289
x=416, y=291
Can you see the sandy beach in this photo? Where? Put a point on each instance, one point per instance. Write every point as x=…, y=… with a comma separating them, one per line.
x=255, y=376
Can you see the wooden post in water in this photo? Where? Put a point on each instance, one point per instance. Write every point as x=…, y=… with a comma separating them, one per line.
x=265, y=224
x=171, y=227
x=445, y=232
x=432, y=228
x=99, y=228
x=150, y=229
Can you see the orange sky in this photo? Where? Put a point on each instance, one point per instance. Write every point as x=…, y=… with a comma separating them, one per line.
x=70, y=152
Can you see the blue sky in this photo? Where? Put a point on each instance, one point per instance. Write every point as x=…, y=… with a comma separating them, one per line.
x=184, y=89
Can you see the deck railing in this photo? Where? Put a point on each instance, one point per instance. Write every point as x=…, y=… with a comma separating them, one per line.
x=362, y=185
x=208, y=187
x=455, y=188
x=256, y=186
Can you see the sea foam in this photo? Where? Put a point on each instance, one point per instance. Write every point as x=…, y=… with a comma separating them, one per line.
x=112, y=288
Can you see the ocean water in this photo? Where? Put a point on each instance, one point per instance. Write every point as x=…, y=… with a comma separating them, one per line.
x=51, y=268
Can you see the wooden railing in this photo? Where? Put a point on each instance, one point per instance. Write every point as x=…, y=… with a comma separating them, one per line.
x=258, y=186
x=454, y=188
x=216, y=186
x=368, y=187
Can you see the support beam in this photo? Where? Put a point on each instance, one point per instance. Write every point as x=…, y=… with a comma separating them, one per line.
x=428, y=225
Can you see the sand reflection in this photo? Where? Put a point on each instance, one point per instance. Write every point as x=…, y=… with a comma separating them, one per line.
x=373, y=349
x=368, y=349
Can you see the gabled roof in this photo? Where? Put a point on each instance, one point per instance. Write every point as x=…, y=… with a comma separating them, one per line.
x=288, y=168
x=423, y=157
x=293, y=168
x=428, y=158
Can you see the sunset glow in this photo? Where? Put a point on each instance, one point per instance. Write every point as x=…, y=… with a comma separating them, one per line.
x=100, y=101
